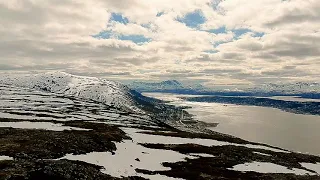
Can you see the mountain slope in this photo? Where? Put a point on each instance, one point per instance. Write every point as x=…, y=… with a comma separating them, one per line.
x=101, y=90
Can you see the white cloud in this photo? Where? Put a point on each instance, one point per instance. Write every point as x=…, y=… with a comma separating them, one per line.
x=57, y=35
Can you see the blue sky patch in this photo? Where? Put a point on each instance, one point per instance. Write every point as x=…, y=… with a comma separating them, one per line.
x=193, y=19
x=240, y=32
x=211, y=51
x=138, y=39
x=119, y=18
x=103, y=35
x=220, y=30
x=237, y=32
x=258, y=34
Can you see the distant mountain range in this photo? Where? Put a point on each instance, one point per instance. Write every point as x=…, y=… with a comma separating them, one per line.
x=169, y=86
x=289, y=88
x=303, y=89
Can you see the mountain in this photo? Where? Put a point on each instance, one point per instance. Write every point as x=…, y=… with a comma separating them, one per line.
x=288, y=88
x=302, y=89
x=171, y=86
x=110, y=93
x=101, y=90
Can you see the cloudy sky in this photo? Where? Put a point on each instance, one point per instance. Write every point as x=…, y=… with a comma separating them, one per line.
x=215, y=42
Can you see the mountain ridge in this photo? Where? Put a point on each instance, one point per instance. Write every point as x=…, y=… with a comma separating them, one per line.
x=108, y=92
x=167, y=85
x=303, y=89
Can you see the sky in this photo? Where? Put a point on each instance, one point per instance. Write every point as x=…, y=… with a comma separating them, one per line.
x=212, y=42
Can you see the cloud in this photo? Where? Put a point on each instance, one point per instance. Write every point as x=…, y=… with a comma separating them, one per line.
x=211, y=41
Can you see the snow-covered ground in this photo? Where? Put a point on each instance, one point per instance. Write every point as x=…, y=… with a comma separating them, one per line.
x=27, y=104
x=39, y=125
x=2, y=158
x=262, y=153
x=128, y=157
x=131, y=155
x=108, y=92
x=265, y=167
x=287, y=88
x=315, y=167
x=147, y=138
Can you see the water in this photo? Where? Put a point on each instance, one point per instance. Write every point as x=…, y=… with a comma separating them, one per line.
x=272, y=126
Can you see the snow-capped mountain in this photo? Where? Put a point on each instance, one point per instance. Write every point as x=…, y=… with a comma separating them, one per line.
x=164, y=86
x=288, y=88
x=101, y=90
x=303, y=89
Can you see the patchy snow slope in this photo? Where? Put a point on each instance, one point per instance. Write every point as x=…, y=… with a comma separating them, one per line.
x=27, y=104
x=39, y=125
x=266, y=167
x=101, y=90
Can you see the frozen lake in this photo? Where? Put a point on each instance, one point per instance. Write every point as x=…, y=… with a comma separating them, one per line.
x=291, y=131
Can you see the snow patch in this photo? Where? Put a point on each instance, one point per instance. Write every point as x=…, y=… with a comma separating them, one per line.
x=262, y=154
x=22, y=117
x=128, y=157
x=311, y=166
x=2, y=158
x=131, y=155
x=147, y=138
x=265, y=167
x=160, y=177
x=39, y=125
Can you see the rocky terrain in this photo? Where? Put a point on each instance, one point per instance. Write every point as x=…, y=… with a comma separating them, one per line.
x=60, y=126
